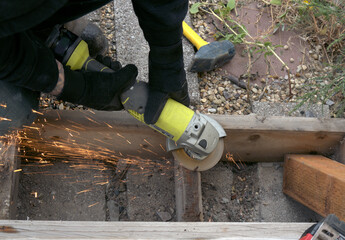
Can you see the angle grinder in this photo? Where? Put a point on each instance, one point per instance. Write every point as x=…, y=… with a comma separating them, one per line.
x=195, y=140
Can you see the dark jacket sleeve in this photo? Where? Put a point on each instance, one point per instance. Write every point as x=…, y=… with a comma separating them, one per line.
x=26, y=62
x=161, y=22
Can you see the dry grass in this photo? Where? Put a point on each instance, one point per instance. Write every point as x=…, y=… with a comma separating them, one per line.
x=322, y=22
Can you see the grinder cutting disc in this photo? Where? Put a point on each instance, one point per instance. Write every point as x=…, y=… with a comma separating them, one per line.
x=200, y=165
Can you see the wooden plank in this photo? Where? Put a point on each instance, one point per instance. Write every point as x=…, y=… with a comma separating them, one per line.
x=253, y=138
x=9, y=177
x=188, y=195
x=151, y=230
x=249, y=138
x=317, y=182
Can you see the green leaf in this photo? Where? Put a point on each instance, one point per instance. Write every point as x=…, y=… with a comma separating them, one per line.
x=266, y=44
x=195, y=8
x=231, y=4
x=276, y=2
x=283, y=15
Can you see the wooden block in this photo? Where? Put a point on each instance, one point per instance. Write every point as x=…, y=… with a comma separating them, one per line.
x=188, y=195
x=317, y=182
x=9, y=178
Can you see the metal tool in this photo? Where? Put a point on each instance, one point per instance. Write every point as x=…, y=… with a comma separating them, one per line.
x=209, y=55
x=195, y=140
x=330, y=228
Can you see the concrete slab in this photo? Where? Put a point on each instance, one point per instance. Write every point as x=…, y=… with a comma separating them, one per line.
x=132, y=47
x=216, y=188
x=63, y=190
x=150, y=191
x=274, y=205
x=286, y=109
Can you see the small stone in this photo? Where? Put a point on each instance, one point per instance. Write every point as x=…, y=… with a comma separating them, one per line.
x=315, y=56
x=227, y=95
x=286, y=47
x=254, y=90
x=309, y=75
x=225, y=200
x=329, y=102
x=292, y=60
x=217, y=101
x=164, y=216
x=304, y=67
x=212, y=110
x=211, y=97
x=203, y=100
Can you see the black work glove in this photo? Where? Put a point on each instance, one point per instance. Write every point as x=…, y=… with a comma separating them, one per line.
x=99, y=90
x=107, y=61
x=167, y=78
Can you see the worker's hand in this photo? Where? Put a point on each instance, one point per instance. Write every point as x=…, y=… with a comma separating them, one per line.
x=107, y=61
x=98, y=90
x=167, y=79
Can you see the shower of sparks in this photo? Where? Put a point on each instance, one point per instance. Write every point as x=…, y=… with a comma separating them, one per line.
x=109, y=126
x=148, y=142
x=35, y=194
x=84, y=191
x=34, y=111
x=5, y=119
x=91, y=120
x=93, y=204
x=89, y=110
x=40, y=150
x=162, y=147
x=230, y=158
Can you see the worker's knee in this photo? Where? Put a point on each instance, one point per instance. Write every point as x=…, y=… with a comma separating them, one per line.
x=16, y=105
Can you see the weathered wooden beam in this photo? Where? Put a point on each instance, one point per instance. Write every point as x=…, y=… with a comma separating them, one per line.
x=249, y=138
x=188, y=195
x=9, y=177
x=150, y=230
x=317, y=182
x=253, y=138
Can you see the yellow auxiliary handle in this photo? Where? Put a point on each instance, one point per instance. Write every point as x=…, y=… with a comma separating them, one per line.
x=192, y=36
